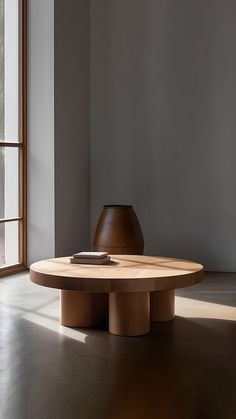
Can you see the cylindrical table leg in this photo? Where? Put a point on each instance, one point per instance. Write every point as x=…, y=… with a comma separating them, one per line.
x=129, y=313
x=162, y=305
x=83, y=309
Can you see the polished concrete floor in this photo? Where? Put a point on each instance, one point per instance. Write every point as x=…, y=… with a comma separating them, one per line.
x=183, y=369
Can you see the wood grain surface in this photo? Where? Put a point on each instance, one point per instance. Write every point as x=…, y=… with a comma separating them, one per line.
x=125, y=273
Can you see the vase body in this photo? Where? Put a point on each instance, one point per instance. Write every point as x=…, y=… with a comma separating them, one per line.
x=118, y=231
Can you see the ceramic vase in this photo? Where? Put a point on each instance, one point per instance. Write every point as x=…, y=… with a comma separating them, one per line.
x=118, y=231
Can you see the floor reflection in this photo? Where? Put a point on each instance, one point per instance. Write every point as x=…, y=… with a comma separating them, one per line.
x=183, y=369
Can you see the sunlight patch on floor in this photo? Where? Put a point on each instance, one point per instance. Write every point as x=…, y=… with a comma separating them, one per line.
x=55, y=326
x=188, y=307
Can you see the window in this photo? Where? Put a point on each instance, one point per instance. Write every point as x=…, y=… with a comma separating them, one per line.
x=12, y=135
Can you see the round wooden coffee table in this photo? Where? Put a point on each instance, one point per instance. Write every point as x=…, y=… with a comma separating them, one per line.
x=140, y=288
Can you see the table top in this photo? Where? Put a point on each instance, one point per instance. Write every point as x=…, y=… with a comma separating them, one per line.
x=125, y=273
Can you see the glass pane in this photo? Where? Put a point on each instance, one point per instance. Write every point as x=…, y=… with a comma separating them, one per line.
x=2, y=69
x=9, y=64
x=9, y=182
x=2, y=244
x=2, y=182
x=9, y=243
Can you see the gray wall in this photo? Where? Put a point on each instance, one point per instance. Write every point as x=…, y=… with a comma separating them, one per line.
x=163, y=122
x=58, y=131
x=41, y=217
x=72, y=148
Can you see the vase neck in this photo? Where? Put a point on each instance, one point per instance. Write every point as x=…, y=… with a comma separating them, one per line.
x=117, y=206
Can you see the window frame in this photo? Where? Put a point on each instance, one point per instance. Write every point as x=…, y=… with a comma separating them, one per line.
x=22, y=147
